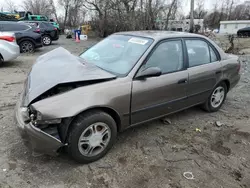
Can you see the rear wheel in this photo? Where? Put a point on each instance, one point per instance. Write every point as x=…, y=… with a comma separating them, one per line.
x=46, y=40
x=92, y=135
x=216, y=99
x=27, y=47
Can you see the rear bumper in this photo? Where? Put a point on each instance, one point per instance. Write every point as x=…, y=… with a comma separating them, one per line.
x=35, y=139
x=55, y=38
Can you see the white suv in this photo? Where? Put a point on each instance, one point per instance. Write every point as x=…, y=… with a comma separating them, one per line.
x=9, y=49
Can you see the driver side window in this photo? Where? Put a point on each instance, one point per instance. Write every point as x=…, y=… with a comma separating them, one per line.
x=168, y=56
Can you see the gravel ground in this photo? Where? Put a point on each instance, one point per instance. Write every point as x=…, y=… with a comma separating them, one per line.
x=153, y=155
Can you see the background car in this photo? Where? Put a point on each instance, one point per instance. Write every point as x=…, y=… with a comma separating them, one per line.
x=9, y=49
x=244, y=32
x=26, y=38
x=46, y=29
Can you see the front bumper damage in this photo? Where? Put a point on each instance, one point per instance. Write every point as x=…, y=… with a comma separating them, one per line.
x=36, y=139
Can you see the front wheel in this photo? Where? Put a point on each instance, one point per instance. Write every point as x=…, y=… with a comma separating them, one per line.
x=216, y=99
x=91, y=136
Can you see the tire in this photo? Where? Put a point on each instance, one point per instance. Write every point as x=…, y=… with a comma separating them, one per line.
x=27, y=46
x=90, y=149
x=46, y=39
x=1, y=60
x=209, y=105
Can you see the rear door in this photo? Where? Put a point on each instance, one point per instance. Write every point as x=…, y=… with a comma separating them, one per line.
x=204, y=69
x=157, y=96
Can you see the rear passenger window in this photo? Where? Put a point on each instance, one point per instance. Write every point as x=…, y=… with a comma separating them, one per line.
x=49, y=25
x=198, y=52
x=213, y=55
x=22, y=27
x=42, y=25
x=7, y=27
x=15, y=27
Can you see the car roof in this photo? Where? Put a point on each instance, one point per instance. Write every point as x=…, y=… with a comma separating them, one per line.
x=159, y=35
x=245, y=28
x=10, y=22
x=32, y=21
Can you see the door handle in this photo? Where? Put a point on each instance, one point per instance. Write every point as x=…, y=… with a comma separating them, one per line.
x=182, y=81
x=218, y=72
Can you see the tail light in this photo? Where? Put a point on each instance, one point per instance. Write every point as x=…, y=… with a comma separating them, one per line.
x=55, y=28
x=8, y=38
x=37, y=30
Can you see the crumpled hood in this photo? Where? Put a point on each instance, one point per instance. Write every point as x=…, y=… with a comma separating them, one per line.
x=59, y=66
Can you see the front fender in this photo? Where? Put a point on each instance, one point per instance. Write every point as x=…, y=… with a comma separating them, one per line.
x=114, y=95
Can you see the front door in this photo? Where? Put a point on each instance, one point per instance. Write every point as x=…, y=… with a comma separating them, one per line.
x=204, y=70
x=157, y=96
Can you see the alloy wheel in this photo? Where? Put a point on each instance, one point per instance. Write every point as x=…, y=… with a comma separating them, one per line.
x=27, y=47
x=94, y=139
x=46, y=40
x=217, y=97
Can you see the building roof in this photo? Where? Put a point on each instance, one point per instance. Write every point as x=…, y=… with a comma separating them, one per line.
x=234, y=21
x=158, y=35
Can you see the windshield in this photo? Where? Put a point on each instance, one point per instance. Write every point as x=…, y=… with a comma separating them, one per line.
x=118, y=53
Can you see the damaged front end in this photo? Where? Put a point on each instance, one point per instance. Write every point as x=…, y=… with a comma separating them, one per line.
x=41, y=137
x=54, y=73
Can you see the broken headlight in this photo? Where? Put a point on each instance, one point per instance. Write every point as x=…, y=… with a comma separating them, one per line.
x=37, y=119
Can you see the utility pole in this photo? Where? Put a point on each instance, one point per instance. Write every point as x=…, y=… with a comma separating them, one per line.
x=191, y=27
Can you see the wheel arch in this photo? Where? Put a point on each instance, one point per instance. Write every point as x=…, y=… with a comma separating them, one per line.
x=227, y=82
x=24, y=39
x=113, y=113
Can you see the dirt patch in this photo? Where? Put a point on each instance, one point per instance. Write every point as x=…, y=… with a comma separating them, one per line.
x=237, y=175
x=219, y=148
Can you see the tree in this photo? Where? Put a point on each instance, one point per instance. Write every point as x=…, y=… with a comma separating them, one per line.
x=172, y=9
x=11, y=6
x=41, y=7
x=229, y=8
x=66, y=5
x=74, y=12
x=108, y=16
x=200, y=12
x=54, y=12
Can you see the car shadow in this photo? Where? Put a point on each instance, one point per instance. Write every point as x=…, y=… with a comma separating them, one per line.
x=130, y=133
x=151, y=124
x=124, y=138
x=13, y=63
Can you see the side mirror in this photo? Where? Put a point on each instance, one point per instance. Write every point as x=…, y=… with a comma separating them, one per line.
x=149, y=72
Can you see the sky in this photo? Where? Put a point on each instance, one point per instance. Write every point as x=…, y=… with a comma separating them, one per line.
x=185, y=4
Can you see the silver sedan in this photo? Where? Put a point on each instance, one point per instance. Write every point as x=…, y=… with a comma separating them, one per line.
x=9, y=49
